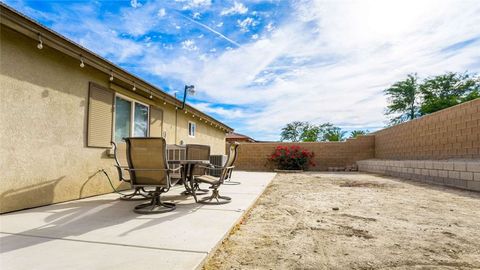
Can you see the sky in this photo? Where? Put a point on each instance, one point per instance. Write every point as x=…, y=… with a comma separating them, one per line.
x=258, y=65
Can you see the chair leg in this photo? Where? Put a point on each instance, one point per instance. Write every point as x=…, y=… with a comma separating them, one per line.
x=229, y=181
x=198, y=190
x=137, y=195
x=215, y=198
x=155, y=206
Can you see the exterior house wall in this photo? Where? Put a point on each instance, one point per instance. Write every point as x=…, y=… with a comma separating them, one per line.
x=205, y=133
x=254, y=156
x=44, y=158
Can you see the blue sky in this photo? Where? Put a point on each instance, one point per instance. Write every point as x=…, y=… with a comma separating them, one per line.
x=258, y=65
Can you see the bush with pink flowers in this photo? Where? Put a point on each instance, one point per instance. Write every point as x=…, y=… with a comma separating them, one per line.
x=292, y=158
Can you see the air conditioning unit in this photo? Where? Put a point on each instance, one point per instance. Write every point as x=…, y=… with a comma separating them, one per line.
x=219, y=161
x=175, y=152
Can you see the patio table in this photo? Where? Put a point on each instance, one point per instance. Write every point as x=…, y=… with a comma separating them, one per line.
x=187, y=174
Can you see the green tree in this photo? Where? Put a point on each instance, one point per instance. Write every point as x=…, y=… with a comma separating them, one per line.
x=446, y=90
x=358, y=132
x=326, y=129
x=403, y=99
x=334, y=134
x=310, y=133
x=293, y=131
x=298, y=131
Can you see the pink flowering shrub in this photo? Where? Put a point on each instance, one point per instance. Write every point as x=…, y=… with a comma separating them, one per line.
x=292, y=158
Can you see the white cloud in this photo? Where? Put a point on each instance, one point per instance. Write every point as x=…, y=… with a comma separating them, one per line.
x=90, y=33
x=331, y=61
x=269, y=27
x=192, y=4
x=129, y=19
x=161, y=13
x=246, y=23
x=238, y=8
x=189, y=45
x=227, y=113
x=135, y=3
x=255, y=36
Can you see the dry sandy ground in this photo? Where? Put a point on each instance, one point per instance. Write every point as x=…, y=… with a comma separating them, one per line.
x=381, y=223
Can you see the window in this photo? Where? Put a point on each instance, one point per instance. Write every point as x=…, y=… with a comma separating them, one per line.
x=191, y=129
x=131, y=118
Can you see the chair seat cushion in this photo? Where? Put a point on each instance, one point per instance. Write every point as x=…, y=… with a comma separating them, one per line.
x=207, y=179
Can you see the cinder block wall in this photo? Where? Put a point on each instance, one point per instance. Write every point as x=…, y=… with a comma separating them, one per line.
x=440, y=148
x=254, y=156
x=463, y=174
x=446, y=134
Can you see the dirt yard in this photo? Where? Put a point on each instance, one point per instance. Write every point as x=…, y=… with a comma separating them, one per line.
x=355, y=221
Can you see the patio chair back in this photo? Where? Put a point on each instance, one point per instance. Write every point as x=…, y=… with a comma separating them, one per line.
x=232, y=156
x=147, y=161
x=198, y=152
x=120, y=157
x=121, y=153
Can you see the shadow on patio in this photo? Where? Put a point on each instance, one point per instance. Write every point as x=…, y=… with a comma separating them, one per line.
x=97, y=226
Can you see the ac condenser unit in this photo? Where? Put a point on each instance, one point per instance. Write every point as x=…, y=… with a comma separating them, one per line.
x=219, y=161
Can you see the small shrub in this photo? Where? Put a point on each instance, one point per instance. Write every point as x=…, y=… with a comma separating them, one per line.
x=292, y=158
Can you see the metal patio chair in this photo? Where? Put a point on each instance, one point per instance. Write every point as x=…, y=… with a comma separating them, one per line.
x=148, y=167
x=120, y=156
x=216, y=182
x=198, y=152
x=232, y=147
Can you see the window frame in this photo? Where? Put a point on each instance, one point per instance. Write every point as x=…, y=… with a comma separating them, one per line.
x=194, y=125
x=132, y=114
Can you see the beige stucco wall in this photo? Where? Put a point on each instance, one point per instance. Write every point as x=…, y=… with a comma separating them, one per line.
x=43, y=114
x=205, y=133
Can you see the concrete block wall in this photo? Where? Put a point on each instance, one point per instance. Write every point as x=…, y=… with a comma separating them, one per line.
x=254, y=156
x=447, y=134
x=463, y=174
x=439, y=148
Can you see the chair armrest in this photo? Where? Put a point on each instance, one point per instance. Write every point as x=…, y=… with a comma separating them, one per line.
x=176, y=169
x=146, y=170
x=219, y=168
x=210, y=166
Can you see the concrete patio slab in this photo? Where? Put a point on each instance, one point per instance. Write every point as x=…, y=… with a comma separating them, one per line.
x=65, y=254
x=105, y=225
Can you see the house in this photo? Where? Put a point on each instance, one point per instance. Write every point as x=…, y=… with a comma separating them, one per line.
x=62, y=105
x=237, y=137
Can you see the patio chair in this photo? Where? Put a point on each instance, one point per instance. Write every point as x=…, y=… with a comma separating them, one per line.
x=216, y=182
x=198, y=152
x=148, y=167
x=232, y=147
x=120, y=157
